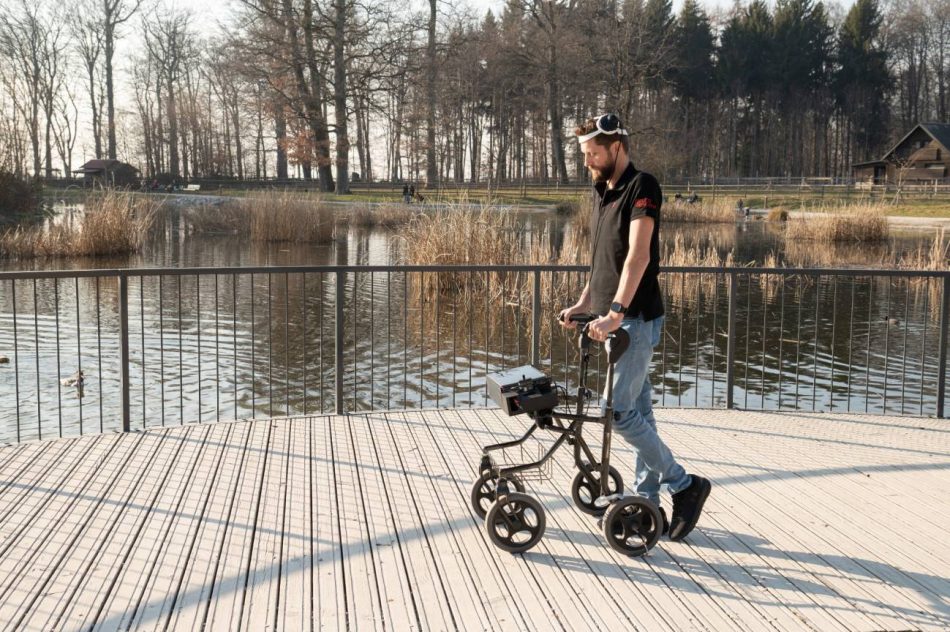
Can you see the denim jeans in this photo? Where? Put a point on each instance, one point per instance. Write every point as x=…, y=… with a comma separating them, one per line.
x=633, y=412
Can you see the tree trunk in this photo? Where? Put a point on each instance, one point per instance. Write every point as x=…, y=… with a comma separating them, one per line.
x=339, y=99
x=431, y=173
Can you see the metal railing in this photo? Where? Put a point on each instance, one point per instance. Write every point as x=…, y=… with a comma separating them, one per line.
x=122, y=349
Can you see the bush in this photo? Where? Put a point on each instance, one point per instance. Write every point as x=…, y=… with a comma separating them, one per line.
x=19, y=199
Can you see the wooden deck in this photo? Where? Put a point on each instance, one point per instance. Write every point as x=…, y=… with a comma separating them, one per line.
x=816, y=522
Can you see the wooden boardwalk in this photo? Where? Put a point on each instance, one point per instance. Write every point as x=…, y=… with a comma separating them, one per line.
x=816, y=522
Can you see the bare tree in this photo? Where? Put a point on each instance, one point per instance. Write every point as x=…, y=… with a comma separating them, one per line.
x=169, y=44
x=89, y=42
x=65, y=125
x=114, y=13
x=21, y=45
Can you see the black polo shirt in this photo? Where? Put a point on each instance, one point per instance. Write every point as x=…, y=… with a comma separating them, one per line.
x=637, y=194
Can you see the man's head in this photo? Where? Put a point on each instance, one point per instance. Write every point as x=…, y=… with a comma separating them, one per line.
x=604, y=143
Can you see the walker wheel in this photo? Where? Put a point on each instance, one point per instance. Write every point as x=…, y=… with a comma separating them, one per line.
x=483, y=492
x=633, y=525
x=515, y=524
x=586, y=489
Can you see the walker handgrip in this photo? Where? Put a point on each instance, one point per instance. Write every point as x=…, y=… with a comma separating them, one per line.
x=582, y=319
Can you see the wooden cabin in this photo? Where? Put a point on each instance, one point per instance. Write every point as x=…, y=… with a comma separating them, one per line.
x=922, y=156
x=108, y=173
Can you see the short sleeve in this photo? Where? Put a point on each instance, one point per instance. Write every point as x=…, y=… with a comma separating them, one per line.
x=645, y=197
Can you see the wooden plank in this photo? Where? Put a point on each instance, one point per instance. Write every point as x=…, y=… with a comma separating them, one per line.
x=31, y=556
x=227, y=595
x=364, y=602
x=141, y=530
x=296, y=610
x=427, y=588
x=824, y=584
x=260, y=601
x=13, y=459
x=87, y=551
x=194, y=589
x=43, y=469
x=378, y=509
x=329, y=583
x=93, y=557
x=442, y=521
x=161, y=588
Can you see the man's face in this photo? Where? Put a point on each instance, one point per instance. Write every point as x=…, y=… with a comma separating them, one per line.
x=600, y=160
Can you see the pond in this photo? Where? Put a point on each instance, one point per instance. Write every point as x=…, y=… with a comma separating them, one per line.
x=234, y=346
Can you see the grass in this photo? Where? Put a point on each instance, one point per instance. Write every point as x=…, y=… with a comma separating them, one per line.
x=112, y=223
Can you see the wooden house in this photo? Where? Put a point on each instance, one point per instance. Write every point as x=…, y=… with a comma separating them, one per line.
x=921, y=156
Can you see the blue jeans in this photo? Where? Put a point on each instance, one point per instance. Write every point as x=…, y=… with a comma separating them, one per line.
x=633, y=412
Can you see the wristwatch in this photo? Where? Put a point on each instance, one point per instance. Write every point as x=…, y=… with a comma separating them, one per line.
x=618, y=307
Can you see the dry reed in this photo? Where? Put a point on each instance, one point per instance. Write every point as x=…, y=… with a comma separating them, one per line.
x=855, y=223
x=714, y=211
x=269, y=217
x=382, y=215
x=113, y=222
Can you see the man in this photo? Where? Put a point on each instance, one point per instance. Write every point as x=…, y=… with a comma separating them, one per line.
x=623, y=290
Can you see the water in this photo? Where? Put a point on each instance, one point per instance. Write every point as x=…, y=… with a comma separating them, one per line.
x=238, y=346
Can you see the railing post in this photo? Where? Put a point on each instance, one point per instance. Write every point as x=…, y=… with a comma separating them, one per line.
x=536, y=320
x=731, y=342
x=338, y=342
x=942, y=347
x=124, y=350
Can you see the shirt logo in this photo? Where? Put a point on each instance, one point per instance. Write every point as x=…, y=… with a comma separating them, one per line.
x=645, y=203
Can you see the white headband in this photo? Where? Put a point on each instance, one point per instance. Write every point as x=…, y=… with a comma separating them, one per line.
x=587, y=137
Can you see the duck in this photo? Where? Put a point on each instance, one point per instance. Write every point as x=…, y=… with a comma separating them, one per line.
x=77, y=379
x=4, y=359
x=892, y=321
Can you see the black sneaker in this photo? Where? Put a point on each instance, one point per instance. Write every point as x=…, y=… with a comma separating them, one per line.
x=687, y=506
x=666, y=522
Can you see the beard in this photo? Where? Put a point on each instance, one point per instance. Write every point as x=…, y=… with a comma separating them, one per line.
x=603, y=175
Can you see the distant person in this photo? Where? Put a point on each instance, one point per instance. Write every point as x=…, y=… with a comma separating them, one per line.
x=412, y=192
x=405, y=193
x=624, y=291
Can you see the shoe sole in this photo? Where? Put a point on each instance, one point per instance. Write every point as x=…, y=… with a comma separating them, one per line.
x=686, y=528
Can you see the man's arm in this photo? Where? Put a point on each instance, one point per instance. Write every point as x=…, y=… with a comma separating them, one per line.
x=638, y=258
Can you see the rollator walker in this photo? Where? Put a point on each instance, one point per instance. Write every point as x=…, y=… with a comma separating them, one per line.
x=515, y=520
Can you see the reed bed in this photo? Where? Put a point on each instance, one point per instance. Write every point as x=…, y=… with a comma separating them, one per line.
x=721, y=210
x=504, y=300
x=113, y=222
x=271, y=216
x=381, y=216
x=862, y=223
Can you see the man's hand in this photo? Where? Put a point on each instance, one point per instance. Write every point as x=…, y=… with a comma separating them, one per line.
x=565, y=316
x=600, y=328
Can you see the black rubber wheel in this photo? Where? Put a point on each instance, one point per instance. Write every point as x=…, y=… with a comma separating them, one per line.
x=585, y=490
x=516, y=524
x=633, y=526
x=483, y=492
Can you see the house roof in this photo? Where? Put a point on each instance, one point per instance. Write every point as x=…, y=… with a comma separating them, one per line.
x=96, y=166
x=940, y=132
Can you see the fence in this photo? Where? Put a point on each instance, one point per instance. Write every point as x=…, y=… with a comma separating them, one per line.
x=95, y=351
